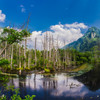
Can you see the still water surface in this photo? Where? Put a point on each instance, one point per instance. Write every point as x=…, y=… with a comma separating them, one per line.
x=57, y=87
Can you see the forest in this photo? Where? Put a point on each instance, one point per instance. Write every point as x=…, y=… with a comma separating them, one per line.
x=16, y=56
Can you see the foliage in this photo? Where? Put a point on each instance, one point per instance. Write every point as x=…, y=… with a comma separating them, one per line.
x=28, y=97
x=16, y=96
x=3, y=78
x=11, y=35
x=4, y=62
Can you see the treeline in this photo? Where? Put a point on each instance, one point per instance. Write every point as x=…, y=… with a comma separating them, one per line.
x=14, y=55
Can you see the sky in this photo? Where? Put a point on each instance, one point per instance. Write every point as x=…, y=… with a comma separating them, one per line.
x=68, y=18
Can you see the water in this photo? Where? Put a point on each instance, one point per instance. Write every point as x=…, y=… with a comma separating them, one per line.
x=58, y=86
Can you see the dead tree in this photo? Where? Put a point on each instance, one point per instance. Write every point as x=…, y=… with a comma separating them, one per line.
x=46, y=45
x=19, y=57
x=29, y=58
x=25, y=53
x=11, y=55
x=26, y=43
x=35, y=51
x=5, y=50
x=49, y=47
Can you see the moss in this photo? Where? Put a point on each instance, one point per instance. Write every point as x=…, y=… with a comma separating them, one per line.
x=19, y=68
x=27, y=68
x=47, y=70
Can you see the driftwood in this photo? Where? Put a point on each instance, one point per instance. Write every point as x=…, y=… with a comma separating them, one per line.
x=40, y=72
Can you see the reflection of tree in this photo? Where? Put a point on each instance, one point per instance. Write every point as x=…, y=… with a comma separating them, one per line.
x=66, y=79
x=34, y=82
x=11, y=84
x=48, y=86
x=22, y=86
x=91, y=79
x=49, y=83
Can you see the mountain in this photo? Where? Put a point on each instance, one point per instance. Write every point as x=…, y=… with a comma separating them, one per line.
x=87, y=42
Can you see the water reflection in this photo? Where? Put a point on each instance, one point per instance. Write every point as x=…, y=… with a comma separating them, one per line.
x=58, y=86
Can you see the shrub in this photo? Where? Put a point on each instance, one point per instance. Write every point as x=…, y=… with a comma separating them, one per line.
x=3, y=62
x=16, y=96
x=47, y=70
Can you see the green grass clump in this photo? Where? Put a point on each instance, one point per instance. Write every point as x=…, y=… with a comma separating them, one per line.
x=47, y=70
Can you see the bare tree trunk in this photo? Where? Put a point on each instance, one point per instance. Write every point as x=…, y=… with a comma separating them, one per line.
x=49, y=47
x=57, y=53
x=44, y=50
x=53, y=52
x=11, y=55
x=29, y=59
x=25, y=52
x=35, y=51
x=19, y=57
x=17, y=53
x=64, y=61
x=52, y=49
x=5, y=50
x=46, y=46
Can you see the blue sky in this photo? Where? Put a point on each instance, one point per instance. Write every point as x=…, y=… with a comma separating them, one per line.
x=45, y=13
x=66, y=20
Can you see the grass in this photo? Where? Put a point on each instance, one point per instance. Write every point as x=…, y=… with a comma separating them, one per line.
x=83, y=68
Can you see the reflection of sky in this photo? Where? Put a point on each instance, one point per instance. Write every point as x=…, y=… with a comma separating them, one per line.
x=58, y=86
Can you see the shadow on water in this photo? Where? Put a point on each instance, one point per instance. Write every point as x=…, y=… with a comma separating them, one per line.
x=91, y=79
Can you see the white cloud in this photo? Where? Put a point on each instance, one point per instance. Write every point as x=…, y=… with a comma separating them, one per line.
x=76, y=25
x=67, y=33
x=23, y=10
x=2, y=16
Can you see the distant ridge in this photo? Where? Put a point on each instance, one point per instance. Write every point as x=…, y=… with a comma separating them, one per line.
x=90, y=39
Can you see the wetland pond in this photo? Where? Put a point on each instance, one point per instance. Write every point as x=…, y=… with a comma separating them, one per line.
x=58, y=86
